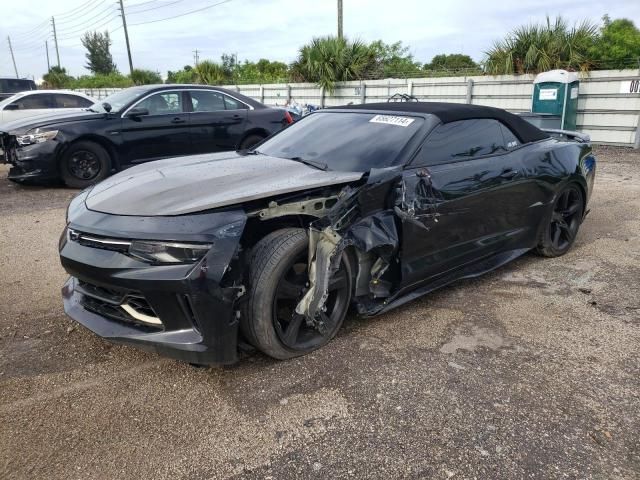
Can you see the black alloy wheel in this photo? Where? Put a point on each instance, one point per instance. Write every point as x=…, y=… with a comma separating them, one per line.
x=292, y=328
x=278, y=279
x=84, y=165
x=563, y=227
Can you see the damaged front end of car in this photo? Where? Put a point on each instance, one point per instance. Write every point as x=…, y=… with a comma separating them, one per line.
x=364, y=222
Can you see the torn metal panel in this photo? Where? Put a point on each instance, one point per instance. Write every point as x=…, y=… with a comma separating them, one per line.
x=323, y=247
x=363, y=218
x=316, y=207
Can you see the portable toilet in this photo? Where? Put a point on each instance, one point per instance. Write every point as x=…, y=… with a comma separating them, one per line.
x=555, y=99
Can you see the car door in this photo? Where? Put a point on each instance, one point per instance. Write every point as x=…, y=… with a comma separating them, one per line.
x=463, y=199
x=161, y=131
x=28, y=105
x=218, y=121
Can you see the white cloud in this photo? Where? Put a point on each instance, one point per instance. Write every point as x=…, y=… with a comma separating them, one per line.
x=271, y=29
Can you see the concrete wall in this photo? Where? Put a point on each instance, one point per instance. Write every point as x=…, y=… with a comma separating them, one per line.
x=607, y=111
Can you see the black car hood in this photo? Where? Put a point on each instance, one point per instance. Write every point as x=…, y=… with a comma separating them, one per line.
x=49, y=119
x=177, y=186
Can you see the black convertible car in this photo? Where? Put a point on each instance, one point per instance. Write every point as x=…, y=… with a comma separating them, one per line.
x=366, y=206
x=135, y=125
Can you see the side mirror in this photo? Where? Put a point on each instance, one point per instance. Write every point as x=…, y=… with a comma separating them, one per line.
x=106, y=106
x=137, y=112
x=12, y=106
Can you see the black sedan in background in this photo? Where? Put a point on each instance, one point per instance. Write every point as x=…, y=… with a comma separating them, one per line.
x=135, y=125
x=369, y=205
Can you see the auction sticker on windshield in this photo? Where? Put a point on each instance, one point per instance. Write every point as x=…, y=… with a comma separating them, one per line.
x=392, y=120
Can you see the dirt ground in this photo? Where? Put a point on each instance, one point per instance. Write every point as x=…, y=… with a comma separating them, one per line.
x=531, y=371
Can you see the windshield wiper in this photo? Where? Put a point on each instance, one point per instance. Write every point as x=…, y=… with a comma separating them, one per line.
x=89, y=109
x=310, y=163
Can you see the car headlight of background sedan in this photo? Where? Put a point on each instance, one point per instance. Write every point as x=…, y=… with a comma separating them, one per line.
x=168, y=252
x=36, y=137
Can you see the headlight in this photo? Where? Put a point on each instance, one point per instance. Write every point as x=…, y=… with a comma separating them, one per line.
x=165, y=252
x=36, y=137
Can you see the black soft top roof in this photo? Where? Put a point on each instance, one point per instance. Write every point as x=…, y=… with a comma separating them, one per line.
x=452, y=112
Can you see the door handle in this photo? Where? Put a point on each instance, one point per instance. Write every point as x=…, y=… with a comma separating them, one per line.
x=178, y=120
x=508, y=173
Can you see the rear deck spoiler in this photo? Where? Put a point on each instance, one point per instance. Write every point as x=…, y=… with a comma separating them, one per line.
x=568, y=134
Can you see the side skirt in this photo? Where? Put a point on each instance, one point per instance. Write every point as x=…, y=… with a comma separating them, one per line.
x=470, y=271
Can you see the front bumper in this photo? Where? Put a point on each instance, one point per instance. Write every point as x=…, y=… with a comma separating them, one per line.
x=197, y=304
x=32, y=162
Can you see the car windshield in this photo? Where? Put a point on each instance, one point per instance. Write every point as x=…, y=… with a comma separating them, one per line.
x=120, y=99
x=345, y=141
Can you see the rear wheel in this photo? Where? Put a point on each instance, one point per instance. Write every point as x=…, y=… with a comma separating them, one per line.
x=250, y=141
x=84, y=164
x=566, y=217
x=279, y=279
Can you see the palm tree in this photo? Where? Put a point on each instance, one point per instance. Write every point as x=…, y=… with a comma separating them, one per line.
x=210, y=73
x=537, y=48
x=328, y=60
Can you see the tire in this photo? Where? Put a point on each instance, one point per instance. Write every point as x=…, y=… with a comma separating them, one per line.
x=84, y=164
x=277, y=281
x=250, y=141
x=561, y=229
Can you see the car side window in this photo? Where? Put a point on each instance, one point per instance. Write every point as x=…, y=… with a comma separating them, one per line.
x=510, y=140
x=31, y=102
x=233, y=104
x=162, y=103
x=207, y=101
x=461, y=140
x=63, y=100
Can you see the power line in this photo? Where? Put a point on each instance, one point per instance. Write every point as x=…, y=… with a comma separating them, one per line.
x=181, y=15
x=133, y=5
x=73, y=11
x=156, y=8
x=80, y=19
x=104, y=21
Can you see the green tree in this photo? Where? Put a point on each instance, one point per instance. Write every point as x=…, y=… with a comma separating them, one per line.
x=393, y=60
x=210, y=73
x=537, y=48
x=145, y=77
x=618, y=45
x=111, y=80
x=262, y=71
x=328, y=60
x=99, y=59
x=186, y=75
x=229, y=62
x=57, y=77
x=455, y=63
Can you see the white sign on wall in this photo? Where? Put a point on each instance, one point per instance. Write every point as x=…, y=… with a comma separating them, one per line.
x=630, y=86
x=548, y=94
x=574, y=92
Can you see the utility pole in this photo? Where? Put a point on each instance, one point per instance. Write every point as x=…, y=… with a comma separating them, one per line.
x=46, y=47
x=196, y=56
x=12, y=57
x=126, y=36
x=340, y=19
x=55, y=39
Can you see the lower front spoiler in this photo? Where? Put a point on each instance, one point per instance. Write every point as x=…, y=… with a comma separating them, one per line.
x=186, y=345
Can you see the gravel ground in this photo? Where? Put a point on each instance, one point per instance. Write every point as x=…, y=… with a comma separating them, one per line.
x=531, y=371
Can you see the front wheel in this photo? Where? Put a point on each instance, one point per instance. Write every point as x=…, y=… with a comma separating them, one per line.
x=84, y=164
x=278, y=280
x=562, y=228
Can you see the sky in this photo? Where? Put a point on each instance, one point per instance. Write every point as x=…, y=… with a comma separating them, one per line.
x=273, y=29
